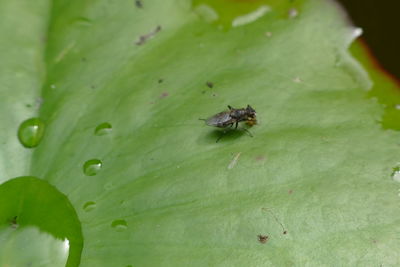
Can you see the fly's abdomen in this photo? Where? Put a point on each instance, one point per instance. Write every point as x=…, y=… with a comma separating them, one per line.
x=221, y=120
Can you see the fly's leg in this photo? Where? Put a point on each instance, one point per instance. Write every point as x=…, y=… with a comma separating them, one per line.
x=236, y=125
x=219, y=138
x=247, y=131
x=223, y=133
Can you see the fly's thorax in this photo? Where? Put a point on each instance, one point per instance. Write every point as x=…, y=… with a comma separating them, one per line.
x=239, y=114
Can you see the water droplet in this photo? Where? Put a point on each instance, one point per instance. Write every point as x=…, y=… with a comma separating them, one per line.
x=90, y=205
x=396, y=174
x=119, y=225
x=50, y=243
x=92, y=167
x=31, y=132
x=53, y=86
x=103, y=129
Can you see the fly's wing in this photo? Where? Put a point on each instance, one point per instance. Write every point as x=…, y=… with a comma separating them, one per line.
x=221, y=119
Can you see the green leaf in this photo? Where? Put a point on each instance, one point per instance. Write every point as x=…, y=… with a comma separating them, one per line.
x=141, y=181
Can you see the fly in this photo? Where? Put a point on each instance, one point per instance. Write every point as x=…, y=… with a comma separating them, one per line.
x=232, y=117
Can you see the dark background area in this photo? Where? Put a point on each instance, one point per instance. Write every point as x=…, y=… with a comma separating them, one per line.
x=380, y=21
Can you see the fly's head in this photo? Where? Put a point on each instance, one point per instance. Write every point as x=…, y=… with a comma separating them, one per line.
x=251, y=114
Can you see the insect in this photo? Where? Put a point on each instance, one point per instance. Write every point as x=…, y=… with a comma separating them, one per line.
x=232, y=117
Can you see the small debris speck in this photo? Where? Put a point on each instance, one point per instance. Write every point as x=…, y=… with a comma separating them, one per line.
x=164, y=95
x=297, y=80
x=284, y=232
x=293, y=13
x=138, y=3
x=268, y=34
x=210, y=84
x=53, y=86
x=38, y=102
x=13, y=222
x=262, y=239
x=144, y=38
x=160, y=80
x=260, y=158
x=290, y=191
x=234, y=161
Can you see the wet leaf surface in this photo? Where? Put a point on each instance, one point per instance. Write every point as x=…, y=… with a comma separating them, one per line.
x=315, y=178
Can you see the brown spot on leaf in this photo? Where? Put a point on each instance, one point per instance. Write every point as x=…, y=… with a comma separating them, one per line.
x=260, y=158
x=262, y=238
x=164, y=95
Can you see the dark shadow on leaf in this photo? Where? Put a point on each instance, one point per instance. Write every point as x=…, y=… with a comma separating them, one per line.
x=225, y=135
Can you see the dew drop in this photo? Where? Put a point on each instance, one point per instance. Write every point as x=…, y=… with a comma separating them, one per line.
x=119, y=225
x=103, y=129
x=88, y=206
x=92, y=167
x=31, y=132
x=396, y=174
